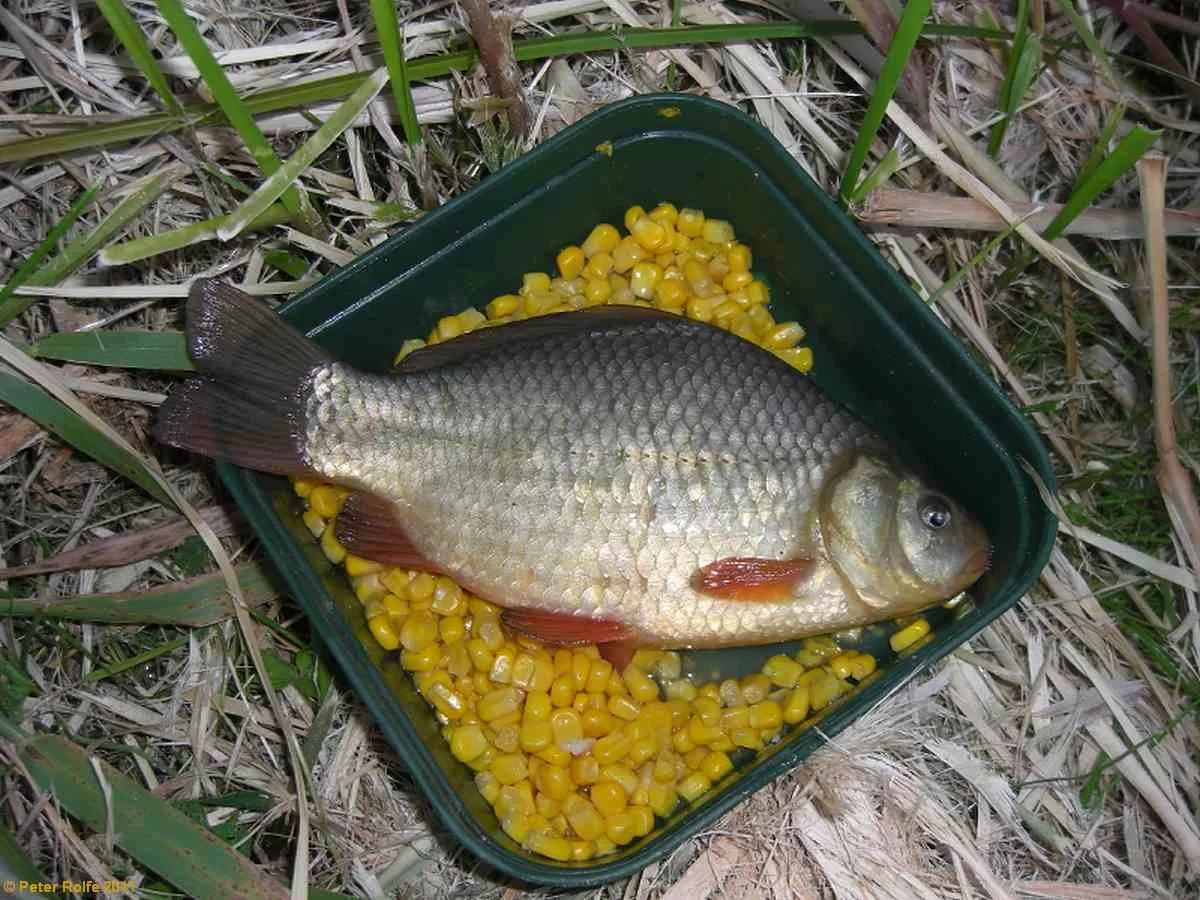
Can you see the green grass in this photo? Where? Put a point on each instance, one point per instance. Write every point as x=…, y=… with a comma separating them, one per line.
x=131, y=37
x=909, y=29
x=391, y=42
x=1024, y=62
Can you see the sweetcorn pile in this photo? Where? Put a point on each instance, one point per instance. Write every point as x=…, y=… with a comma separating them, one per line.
x=577, y=759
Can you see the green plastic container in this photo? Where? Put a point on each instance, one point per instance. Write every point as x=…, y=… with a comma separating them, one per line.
x=878, y=350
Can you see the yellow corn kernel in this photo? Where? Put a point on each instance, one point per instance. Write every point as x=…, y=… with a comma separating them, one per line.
x=663, y=798
x=537, y=707
x=708, y=709
x=725, y=312
x=690, y=222
x=303, y=487
x=626, y=255
x=534, y=735
x=632, y=215
x=381, y=629
x=451, y=629
x=622, y=775
x=840, y=664
x=585, y=770
x=701, y=733
x=681, y=690
x=735, y=281
x=784, y=336
x=598, y=268
x=583, y=817
x=397, y=607
x=580, y=669
x=608, y=797
x=562, y=691
x=502, y=665
x=746, y=737
x=700, y=309
x=550, y=846
x=406, y=349
x=642, y=750
x=567, y=726
x=562, y=661
x=422, y=587
x=497, y=703
x=731, y=693
x=369, y=589
x=619, y=828
x=610, y=748
x=715, y=766
x=657, y=715
x=489, y=631
x=616, y=686
x=597, y=722
x=664, y=214
x=425, y=660
x=755, y=688
x=570, y=261
x=642, y=817
x=795, y=708
x=716, y=231
x=516, y=826
x=543, y=672
x=330, y=546
x=504, y=305
x=555, y=755
x=509, y=768
x=765, y=715
x=582, y=850
x=696, y=274
x=651, y=235
x=908, y=635
x=620, y=289
x=702, y=251
x=682, y=741
x=597, y=290
x=738, y=717
x=599, y=671
x=824, y=690
x=488, y=786
x=554, y=781
x=506, y=736
x=522, y=671
x=862, y=666
x=641, y=686
x=313, y=522
x=448, y=599
x=447, y=701
x=602, y=239
x=671, y=295
x=356, y=565
x=694, y=786
x=623, y=707
x=326, y=500
x=481, y=656
x=782, y=670
x=643, y=279
x=419, y=631
x=458, y=663
x=534, y=283
x=395, y=580
x=693, y=758
x=740, y=259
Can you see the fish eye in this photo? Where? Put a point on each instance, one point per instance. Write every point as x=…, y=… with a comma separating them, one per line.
x=935, y=512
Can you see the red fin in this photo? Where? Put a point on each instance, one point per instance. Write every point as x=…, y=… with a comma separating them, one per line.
x=467, y=345
x=563, y=628
x=247, y=405
x=619, y=653
x=750, y=578
x=367, y=526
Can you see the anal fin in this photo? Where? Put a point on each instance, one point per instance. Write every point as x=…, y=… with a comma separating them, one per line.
x=368, y=526
x=564, y=628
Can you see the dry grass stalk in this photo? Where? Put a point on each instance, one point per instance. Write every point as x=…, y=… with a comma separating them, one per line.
x=493, y=37
x=918, y=209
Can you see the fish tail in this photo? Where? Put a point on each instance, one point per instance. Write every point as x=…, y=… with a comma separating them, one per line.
x=247, y=405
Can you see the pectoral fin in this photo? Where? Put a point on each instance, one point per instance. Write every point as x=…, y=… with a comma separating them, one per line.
x=751, y=579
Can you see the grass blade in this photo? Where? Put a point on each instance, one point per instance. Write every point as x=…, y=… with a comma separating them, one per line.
x=1101, y=177
x=231, y=105
x=116, y=667
x=143, y=192
x=1015, y=84
x=392, y=44
x=882, y=171
x=66, y=424
x=1091, y=41
x=148, y=828
x=198, y=232
x=907, y=31
x=277, y=183
x=164, y=350
x=44, y=248
x=128, y=33
x=1100, y=148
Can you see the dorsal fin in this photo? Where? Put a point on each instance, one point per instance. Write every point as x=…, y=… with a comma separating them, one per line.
x=467, y=345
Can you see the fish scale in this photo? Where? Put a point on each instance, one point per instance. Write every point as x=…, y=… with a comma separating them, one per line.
x=605, y=468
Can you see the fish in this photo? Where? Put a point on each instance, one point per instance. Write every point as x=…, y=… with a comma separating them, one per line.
x=616, y=475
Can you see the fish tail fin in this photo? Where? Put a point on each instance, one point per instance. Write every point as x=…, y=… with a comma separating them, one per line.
x=247, y=405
